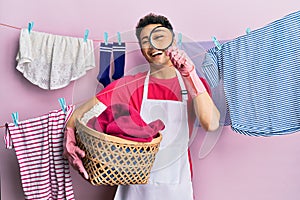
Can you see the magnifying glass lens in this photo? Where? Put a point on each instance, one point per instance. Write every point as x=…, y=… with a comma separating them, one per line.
x=161, y=38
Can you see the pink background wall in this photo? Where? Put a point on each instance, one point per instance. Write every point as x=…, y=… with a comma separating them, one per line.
x=238, y=168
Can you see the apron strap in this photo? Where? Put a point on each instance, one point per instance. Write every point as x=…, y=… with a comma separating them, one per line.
x=146, y=83
x=184, y=93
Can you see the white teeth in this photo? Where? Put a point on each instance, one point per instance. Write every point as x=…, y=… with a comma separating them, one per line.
x=156, y=53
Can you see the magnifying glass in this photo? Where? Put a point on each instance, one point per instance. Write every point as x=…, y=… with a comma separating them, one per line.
x=161, y=38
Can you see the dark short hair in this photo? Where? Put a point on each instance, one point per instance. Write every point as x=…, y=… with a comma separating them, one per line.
x=151, y=19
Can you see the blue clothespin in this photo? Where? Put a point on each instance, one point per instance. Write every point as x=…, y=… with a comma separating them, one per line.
x=86, y=34
x=15, y=117
x=30, y=26
x=217, y=43
x=63, y=104
x=119, y=38
x=106, y=38
x=179, y=39
x=248, y=30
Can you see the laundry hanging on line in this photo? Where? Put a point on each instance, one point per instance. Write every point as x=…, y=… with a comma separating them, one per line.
x=115, y=51
x=38, y=144
x=262, y=77
x=53, y=61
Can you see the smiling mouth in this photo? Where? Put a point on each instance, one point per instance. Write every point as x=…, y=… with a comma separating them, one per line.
x=157, y=53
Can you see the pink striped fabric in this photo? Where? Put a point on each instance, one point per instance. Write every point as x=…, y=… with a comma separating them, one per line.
x=38, y=144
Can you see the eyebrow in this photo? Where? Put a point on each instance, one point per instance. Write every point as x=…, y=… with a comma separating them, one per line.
x=145, y=37
x=158, y=31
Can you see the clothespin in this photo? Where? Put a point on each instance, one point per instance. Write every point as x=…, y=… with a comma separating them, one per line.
x=30, y=26
x=86, y=34
x=15, y=117
x=119, y=38
x=217, y=43
x=106, y=38
x=63, y=104
x=248, y=30
x=179, y=39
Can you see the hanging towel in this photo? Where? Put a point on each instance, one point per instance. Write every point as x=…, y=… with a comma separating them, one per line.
x=38, y=144
x=53, y=61
x=124, y=121
x=262, y=78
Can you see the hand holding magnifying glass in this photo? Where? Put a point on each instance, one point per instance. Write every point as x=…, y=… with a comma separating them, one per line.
x=162, y=38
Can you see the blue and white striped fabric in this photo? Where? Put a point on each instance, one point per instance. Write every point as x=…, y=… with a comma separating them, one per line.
x=206, y=66
x=261, y=73
x=210, y=69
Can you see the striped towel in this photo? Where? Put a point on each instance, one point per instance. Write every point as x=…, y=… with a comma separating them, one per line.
x=262, y=78
x=38, y=144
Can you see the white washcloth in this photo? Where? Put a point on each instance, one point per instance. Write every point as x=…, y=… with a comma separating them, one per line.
x=53, y=61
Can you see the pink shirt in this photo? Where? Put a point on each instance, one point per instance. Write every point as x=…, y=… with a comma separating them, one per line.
x=129, y=90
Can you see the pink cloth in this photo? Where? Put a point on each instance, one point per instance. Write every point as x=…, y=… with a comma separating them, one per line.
x=124, y=121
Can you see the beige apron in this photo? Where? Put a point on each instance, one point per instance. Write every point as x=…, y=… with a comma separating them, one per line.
x=170, y=177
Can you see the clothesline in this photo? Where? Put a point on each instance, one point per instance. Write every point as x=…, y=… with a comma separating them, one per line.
x=94, y=40
x=217, y=43
x=3, y=126
x=99, y=40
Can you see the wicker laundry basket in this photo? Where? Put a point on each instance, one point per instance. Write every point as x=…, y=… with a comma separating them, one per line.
x=112, y=160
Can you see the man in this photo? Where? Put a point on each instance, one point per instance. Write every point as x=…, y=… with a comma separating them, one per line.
x=159, y=93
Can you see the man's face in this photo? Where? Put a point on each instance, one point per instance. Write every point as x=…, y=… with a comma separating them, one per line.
x=153, y=56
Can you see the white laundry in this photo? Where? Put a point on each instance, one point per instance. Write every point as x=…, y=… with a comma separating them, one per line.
x=53, y=61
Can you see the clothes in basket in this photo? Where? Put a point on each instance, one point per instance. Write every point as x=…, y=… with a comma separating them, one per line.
x=124, y=121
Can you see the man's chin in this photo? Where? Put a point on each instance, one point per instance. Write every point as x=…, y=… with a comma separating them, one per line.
x=156, y=64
